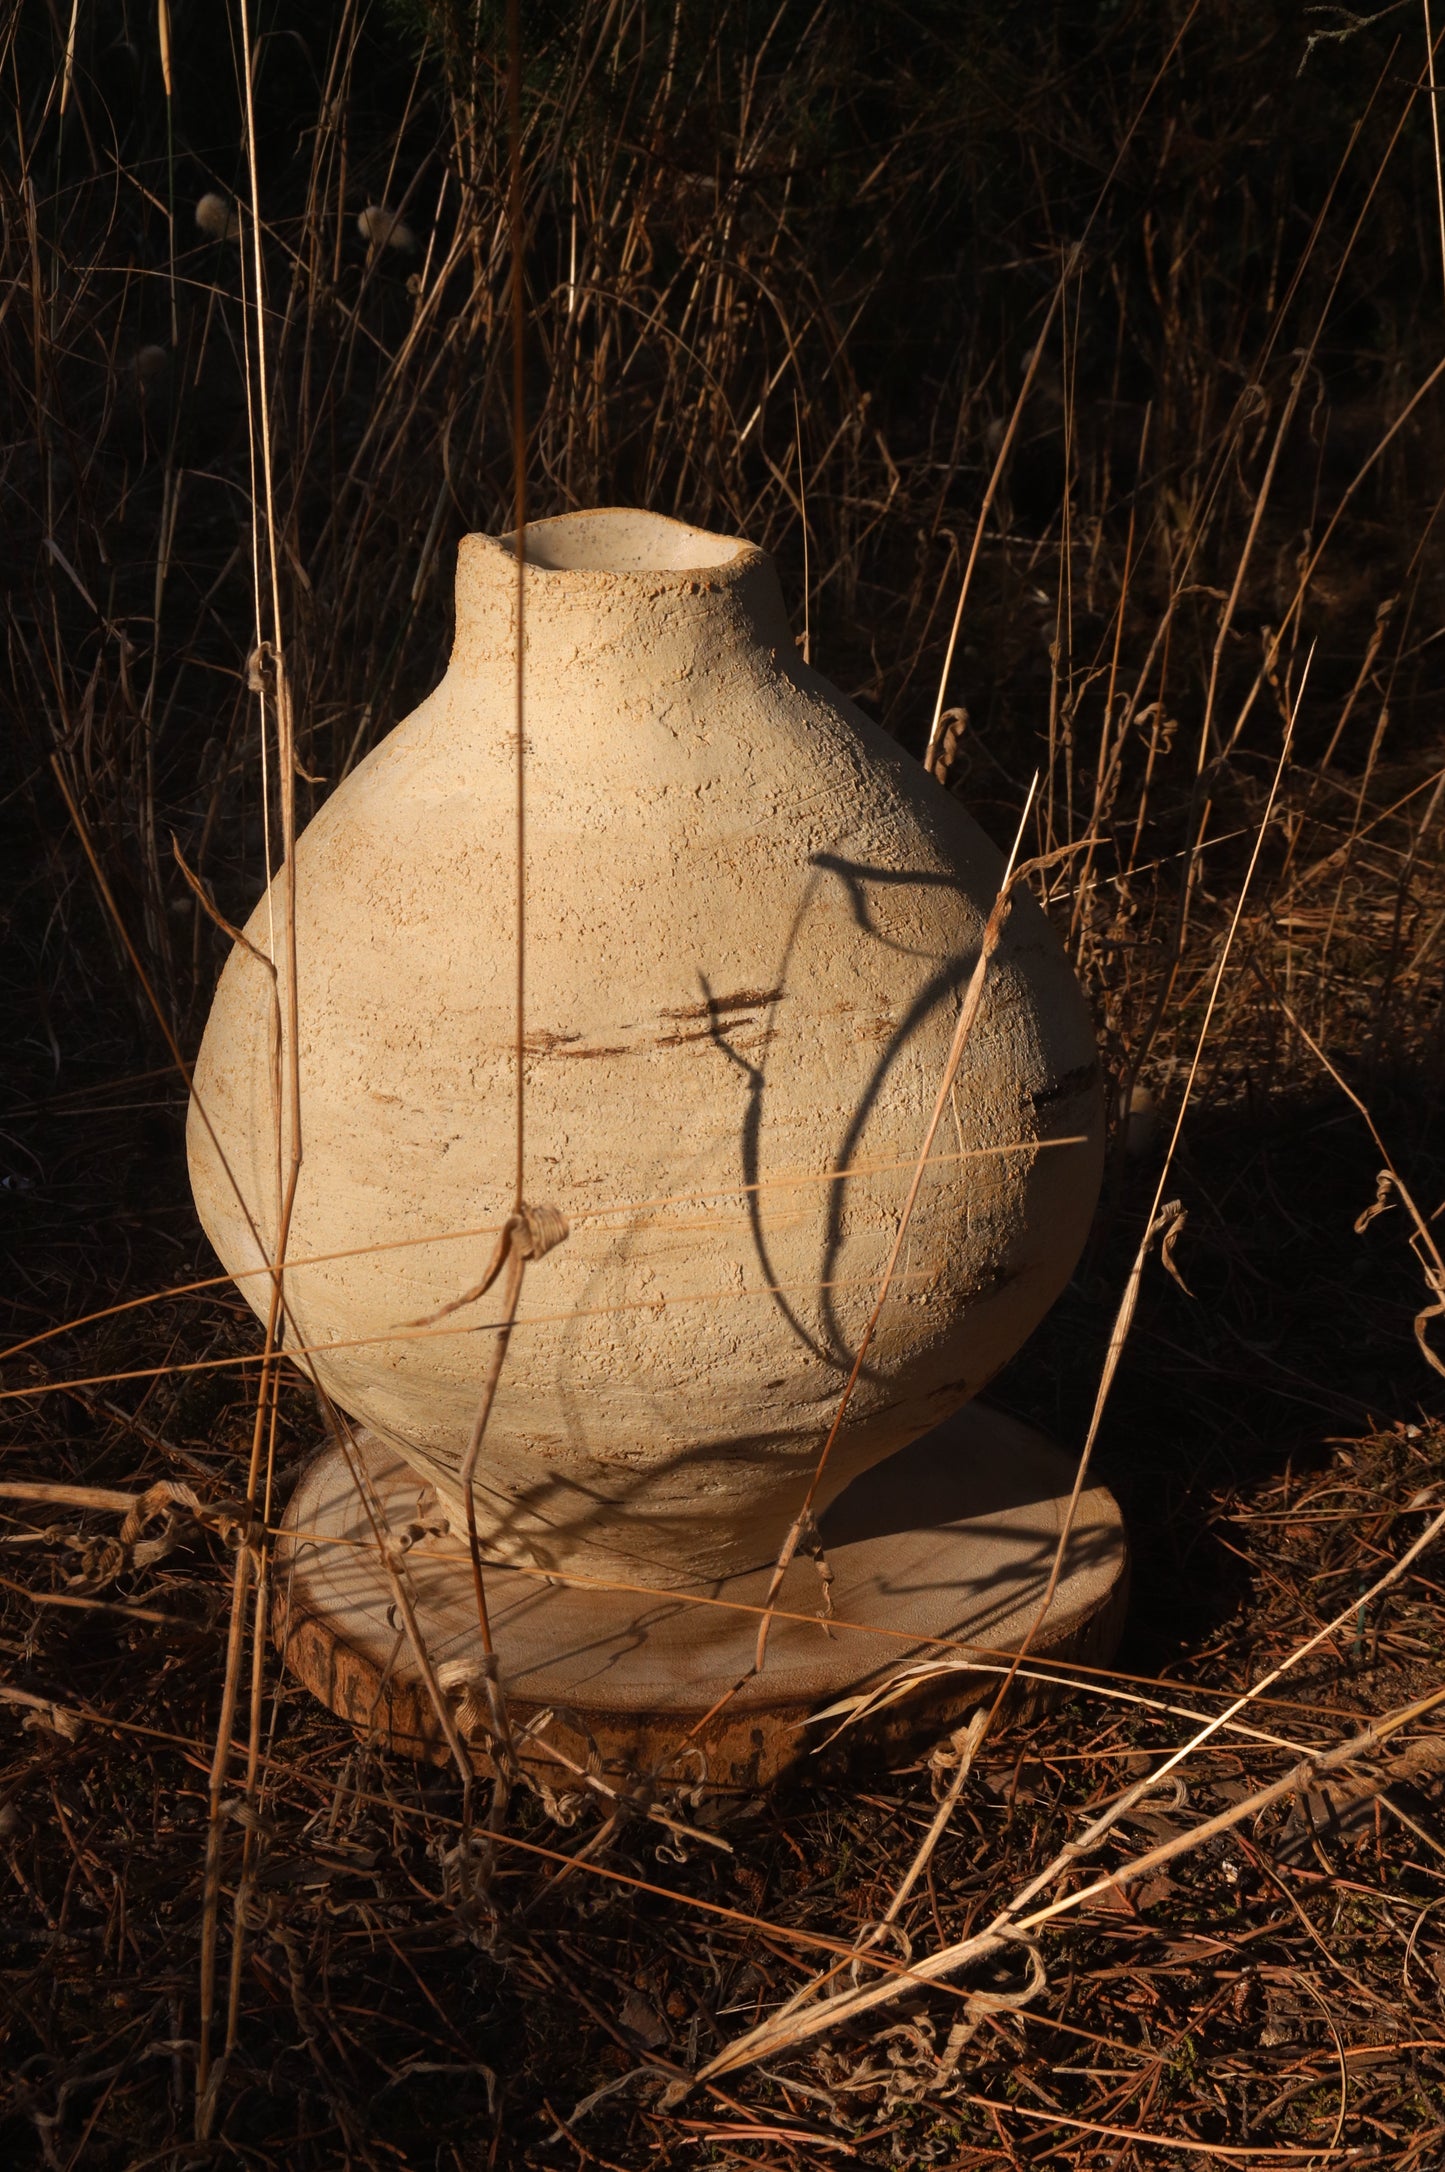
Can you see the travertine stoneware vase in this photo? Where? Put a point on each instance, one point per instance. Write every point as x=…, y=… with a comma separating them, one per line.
x=750, y=921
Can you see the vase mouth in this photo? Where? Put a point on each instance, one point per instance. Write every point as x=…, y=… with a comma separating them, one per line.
x=623, y=542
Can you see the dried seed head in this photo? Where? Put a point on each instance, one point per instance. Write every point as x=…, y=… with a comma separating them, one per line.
x=150, y=370
x=216, y=216
x=1143, y=1126
x=382, y=229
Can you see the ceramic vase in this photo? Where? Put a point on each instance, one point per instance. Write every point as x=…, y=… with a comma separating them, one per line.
x=750, y=919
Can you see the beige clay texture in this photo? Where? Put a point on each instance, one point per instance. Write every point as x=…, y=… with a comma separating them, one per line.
x=750, y=919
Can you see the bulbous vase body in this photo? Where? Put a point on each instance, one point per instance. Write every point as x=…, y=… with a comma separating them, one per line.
x=750, y=919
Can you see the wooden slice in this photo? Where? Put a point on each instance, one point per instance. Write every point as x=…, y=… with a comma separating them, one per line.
x=942, y=1552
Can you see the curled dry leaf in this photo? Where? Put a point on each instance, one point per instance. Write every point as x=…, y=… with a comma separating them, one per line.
x=54, y=1719
x=1172, y=1218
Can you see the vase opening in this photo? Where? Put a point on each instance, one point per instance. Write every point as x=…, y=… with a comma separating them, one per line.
x=619, y=540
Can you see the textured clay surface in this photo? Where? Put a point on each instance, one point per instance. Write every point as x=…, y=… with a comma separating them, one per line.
x=750, y=919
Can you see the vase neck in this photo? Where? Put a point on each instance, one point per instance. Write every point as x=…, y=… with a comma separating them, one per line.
x=616, y=580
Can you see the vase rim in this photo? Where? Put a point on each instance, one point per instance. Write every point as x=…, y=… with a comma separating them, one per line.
x=623, y=543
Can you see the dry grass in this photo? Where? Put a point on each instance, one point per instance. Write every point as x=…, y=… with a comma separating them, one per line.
x=1173, y=316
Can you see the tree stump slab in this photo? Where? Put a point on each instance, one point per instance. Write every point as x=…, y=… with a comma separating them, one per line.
x=941, y=1553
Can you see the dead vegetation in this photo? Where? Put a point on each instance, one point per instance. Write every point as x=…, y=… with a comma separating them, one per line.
x=1162, y=292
